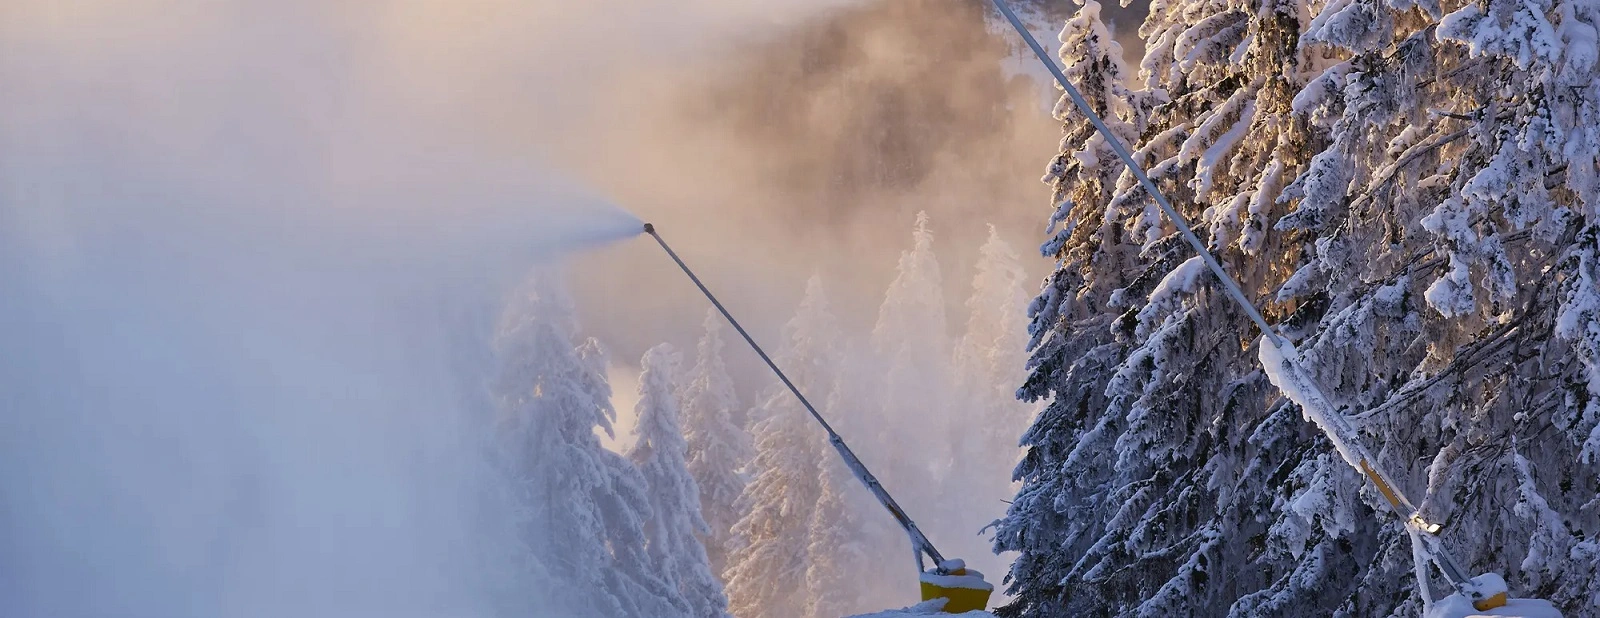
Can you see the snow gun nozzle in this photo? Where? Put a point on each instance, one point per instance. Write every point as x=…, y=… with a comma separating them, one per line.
x=650, y=228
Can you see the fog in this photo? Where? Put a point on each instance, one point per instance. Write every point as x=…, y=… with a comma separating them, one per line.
x=251, y=250
x=812, y=153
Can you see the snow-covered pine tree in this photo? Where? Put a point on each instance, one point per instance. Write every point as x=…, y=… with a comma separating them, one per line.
x=1446, y=231
x=990, y=363
x=585, y=506
x=874, y=565
x=719, y=448
x=624, y=512
x=1139, y=358
x=1155, y=458
x=1120, y=336
x=912, y=341
x=916, y=420
x=1065, y=474
x=1430, y=175
x=845, y=544
x=661, y=452
x=769, y=559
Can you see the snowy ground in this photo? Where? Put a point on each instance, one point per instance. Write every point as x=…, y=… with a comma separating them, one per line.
x=928, y=608
x=1454, y=606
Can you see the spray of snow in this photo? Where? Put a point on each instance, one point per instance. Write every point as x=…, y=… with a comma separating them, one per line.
x=247, y=305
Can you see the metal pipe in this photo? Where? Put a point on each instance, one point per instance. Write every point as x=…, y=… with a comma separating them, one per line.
x=1144, y=179
x=919, y=542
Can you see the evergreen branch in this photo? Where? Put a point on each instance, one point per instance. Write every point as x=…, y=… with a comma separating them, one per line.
x=1389, y=172
x=1472, y=355
x=1452, y=73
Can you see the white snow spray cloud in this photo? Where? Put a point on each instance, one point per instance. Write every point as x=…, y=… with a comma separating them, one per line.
x=250, y=251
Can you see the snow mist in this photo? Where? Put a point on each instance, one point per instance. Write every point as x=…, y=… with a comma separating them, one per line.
x=247, y=297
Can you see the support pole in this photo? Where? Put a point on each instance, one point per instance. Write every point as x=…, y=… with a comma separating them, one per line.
x=920, y=545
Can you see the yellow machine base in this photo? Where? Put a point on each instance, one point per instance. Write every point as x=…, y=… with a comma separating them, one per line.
x=1493, y=602
x=962, y=600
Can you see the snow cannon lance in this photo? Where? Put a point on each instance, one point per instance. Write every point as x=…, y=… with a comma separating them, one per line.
x=1282, y=364
x=964, y=589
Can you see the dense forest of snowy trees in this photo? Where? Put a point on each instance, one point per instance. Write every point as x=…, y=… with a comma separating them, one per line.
x=1409, y=190
x=719, y=445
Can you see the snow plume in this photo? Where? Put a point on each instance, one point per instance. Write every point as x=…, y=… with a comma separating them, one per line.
x=250, y=276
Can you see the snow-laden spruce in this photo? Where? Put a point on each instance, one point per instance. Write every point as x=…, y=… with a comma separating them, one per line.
x=911, y=341
x=584, y=507
x=769, y=557
x=1473, y=138
x=1134, y=474
x=660, y=452
x=1408, y=189
x=842, y=545
x=989, y=363
x=937, y=408
x=719, y=446
x=907, y=373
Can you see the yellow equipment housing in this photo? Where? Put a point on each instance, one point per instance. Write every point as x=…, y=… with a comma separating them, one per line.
x=964, y=588
x=1493, y=602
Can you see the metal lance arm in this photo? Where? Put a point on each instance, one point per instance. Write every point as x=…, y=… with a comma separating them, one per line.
x=920, y=544
x=1341, y=427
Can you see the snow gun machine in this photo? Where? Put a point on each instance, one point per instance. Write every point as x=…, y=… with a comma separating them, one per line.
x=1281, y=361
x=963, y=589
